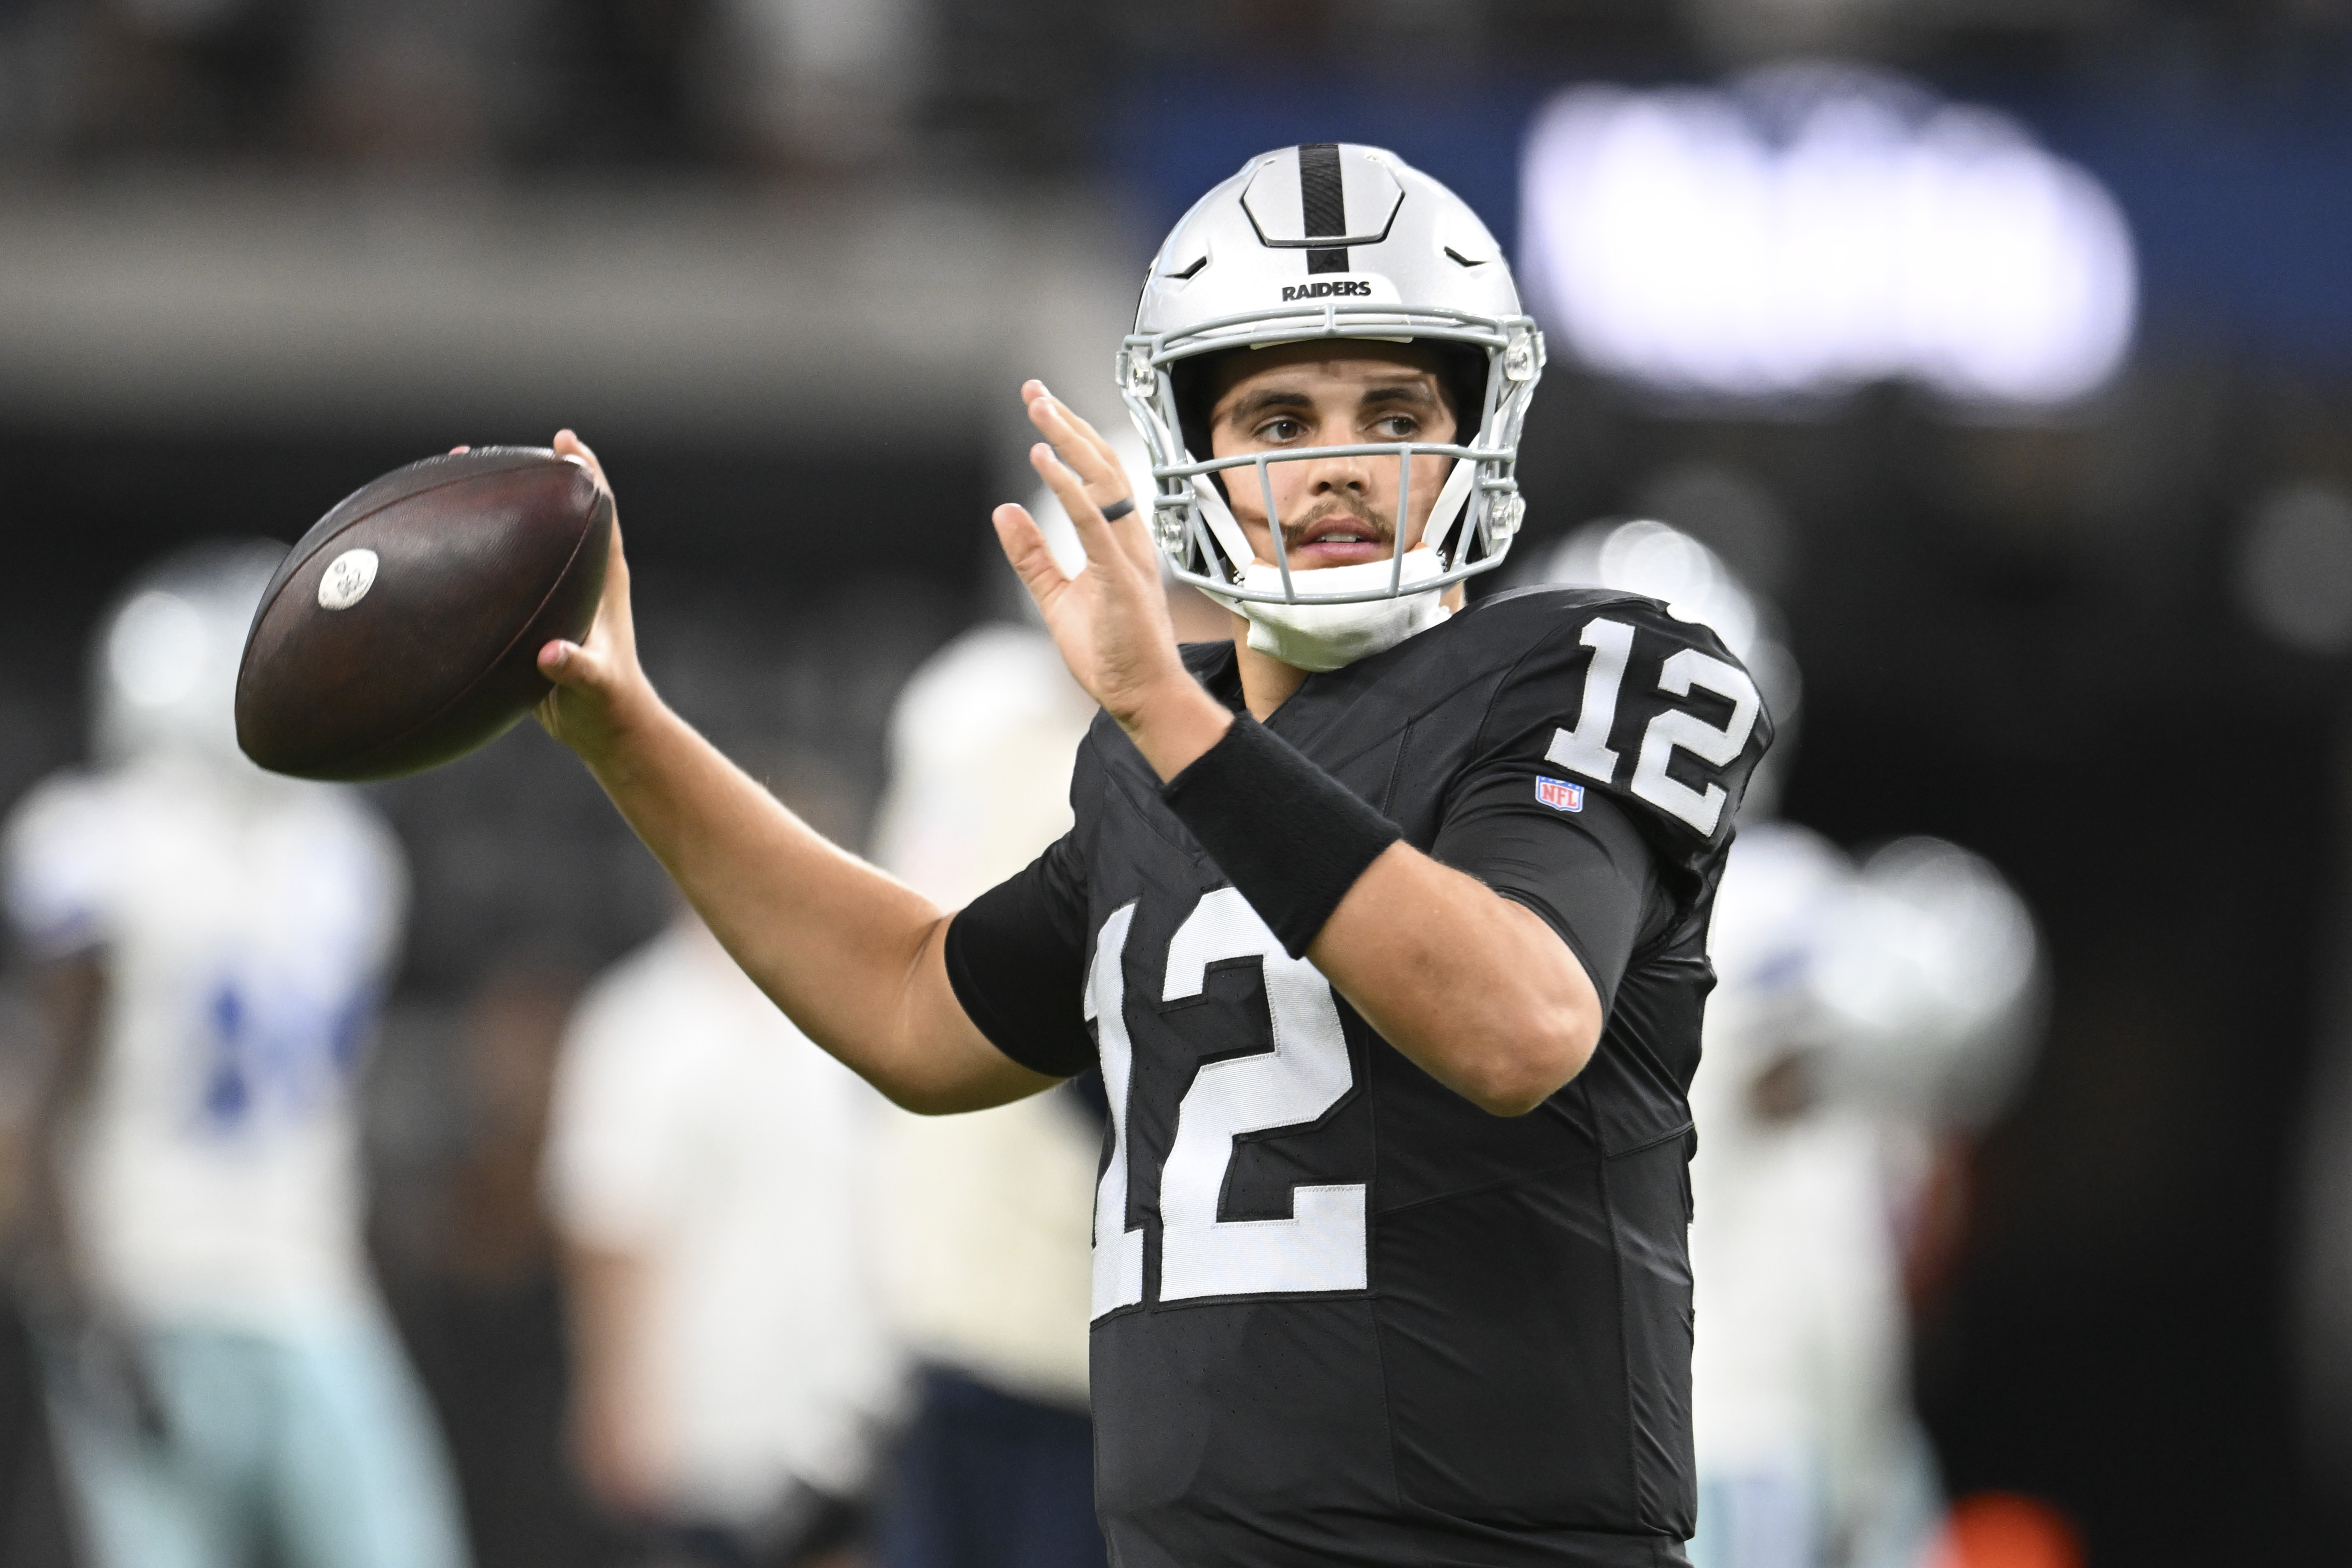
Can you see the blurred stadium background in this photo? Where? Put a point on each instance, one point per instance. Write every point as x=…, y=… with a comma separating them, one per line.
x=2006, y=344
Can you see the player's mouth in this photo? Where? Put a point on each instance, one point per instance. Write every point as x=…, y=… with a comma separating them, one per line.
x=1343, y=539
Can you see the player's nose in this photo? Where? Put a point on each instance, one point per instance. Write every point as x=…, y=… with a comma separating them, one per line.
x=1334, y=475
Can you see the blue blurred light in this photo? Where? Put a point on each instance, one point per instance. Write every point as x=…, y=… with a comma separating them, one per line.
x=2238, y=203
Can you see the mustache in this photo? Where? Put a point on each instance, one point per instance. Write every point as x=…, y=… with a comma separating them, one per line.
x=1341, y=507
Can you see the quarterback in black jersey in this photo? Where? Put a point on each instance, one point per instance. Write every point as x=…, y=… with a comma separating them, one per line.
x=1385, y=922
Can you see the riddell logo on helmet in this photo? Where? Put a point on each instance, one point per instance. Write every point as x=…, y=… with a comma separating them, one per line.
x=1340, y=289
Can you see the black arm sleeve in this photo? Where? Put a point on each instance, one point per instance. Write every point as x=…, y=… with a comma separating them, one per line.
x=1016, y=956
x=1588, y=873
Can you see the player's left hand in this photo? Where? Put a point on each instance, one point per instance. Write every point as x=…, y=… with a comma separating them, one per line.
x=1109, y=619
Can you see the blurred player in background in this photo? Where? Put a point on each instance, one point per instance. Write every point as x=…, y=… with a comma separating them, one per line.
x=711, y=1173
x=225, y=1384
x=1865, y=1016
x=989, y=1224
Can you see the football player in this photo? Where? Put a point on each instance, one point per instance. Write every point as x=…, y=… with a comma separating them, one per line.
x=225, y=1381
x=1385, y=919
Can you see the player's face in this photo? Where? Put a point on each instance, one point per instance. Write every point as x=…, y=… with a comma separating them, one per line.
x=1335, y=511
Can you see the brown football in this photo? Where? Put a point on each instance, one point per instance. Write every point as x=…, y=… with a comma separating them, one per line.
x=404, y=630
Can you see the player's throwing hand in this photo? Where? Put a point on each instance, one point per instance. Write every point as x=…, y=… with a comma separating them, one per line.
x=598, y=681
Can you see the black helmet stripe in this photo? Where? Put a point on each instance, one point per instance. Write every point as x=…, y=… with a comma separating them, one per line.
x=1323, y=202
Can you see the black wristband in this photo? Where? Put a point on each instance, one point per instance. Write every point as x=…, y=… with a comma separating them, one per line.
x=1293, y=839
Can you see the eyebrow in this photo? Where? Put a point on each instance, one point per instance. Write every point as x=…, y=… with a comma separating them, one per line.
x=1413, y=394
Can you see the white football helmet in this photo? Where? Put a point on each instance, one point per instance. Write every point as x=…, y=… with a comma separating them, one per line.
x=1913, y=983
x=1330, y=240
x=1929, y=983
x=163, y=663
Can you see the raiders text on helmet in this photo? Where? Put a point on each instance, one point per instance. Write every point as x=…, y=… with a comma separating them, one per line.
x=1331, y=240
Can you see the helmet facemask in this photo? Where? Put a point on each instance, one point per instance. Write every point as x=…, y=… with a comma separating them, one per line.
x=1477, y=510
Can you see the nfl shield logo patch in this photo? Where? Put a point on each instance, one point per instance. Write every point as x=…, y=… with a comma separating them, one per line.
x=1559, y=795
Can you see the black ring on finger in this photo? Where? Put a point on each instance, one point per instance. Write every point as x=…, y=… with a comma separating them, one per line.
x=1118, y=509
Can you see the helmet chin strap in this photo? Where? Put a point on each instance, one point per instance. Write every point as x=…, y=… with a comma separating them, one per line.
x=1437, y=533
x=1222, y=526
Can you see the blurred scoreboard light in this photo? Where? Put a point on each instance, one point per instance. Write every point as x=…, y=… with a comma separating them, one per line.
x=1811, y=228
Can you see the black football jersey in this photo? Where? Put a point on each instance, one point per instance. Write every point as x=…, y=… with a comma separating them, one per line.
x=1341, y=1314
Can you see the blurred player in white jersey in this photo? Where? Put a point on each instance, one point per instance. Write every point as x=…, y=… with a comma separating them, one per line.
x=214, y=940
x=1868, y=1016
x=1862, y=1014
x=712, y=1171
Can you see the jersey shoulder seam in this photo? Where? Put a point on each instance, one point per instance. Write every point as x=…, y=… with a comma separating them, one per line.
x=1545, y=635
x=1478, y=739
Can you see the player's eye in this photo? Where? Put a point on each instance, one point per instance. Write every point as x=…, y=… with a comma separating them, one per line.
x=1280, y=430
x=1397, y=427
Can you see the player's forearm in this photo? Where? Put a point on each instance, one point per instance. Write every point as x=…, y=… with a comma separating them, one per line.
x=1473, y=988
x=847, y=951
